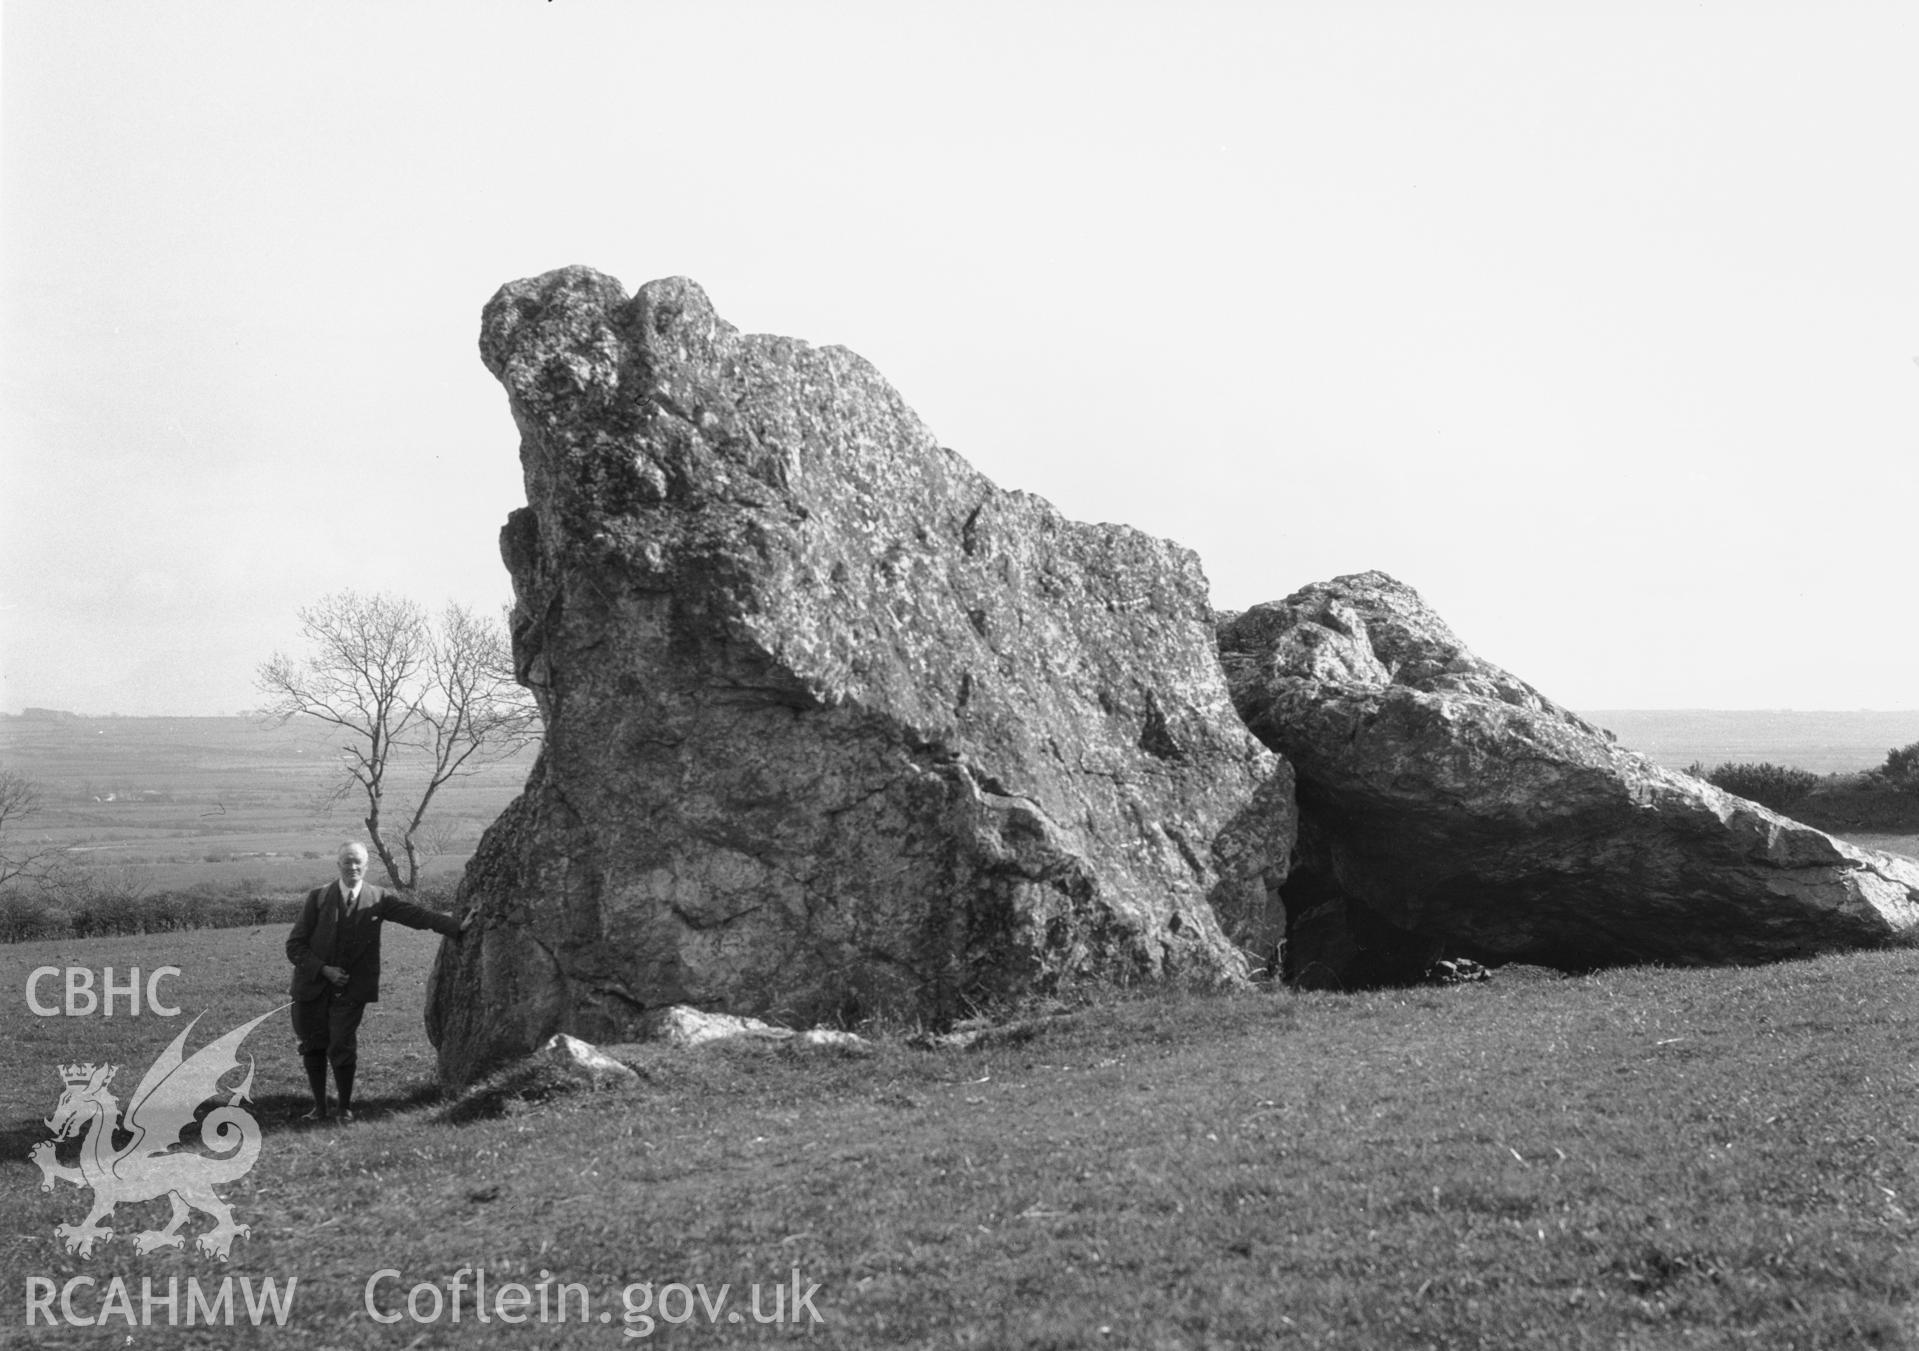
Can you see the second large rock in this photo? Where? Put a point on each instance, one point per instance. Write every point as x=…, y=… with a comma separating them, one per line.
x=1449, y=807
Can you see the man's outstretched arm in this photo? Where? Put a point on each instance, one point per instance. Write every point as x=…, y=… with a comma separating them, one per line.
x=420, y=917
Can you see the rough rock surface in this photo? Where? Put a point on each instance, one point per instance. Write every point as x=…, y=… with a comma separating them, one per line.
x=584, y=1063
x=833, y=724
x=689, y=1028
x=681, y=1026
x=1449, y=807
x=845, y=1044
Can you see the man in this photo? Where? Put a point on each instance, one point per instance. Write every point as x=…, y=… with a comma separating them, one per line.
x=335, y=951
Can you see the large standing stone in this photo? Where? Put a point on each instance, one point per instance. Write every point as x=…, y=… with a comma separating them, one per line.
x=833, y=725
x=1446, y=804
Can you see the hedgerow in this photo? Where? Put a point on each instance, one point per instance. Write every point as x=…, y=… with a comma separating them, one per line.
x=1901, y=770
x=1770, y=785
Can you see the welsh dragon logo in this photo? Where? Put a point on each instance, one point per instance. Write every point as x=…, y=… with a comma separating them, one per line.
x=149, y=1165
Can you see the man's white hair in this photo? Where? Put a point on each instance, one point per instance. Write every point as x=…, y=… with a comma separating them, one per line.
x=355, y=848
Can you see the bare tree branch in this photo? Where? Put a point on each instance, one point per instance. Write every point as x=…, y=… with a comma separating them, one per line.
x=19, y=860
x=402, y=690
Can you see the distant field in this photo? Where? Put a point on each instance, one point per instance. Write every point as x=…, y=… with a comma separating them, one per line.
x=1823, y=742
x=183, y=802
x=1889, y=844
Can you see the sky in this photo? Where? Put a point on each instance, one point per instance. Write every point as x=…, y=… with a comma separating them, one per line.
x=1595, y=322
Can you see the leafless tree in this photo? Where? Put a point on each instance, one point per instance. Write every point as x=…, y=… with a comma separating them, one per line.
x=436, y=836
x=20, y=860
x=407, y=693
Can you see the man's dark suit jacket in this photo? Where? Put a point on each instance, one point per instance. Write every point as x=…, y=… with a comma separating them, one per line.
x=328, y=934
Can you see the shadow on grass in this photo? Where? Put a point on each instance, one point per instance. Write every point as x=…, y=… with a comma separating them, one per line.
x=274, y=1113
x=514, y=1089
x=280, y=1111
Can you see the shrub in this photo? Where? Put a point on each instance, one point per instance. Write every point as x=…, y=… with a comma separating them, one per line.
x=24, y=918
x=96, y=916
x=104, y=901
x=167, y=911
x=95, y=911
x=1901, y=770
x=224, y=912
x=267, y=910
x=437, y=892
x=1774, y=786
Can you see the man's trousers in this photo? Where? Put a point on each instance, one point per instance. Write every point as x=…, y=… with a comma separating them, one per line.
x=327, y=1029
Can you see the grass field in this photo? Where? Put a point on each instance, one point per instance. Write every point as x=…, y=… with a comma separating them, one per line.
x=1886, y=844
x=233, y=804
x=1641, y=1158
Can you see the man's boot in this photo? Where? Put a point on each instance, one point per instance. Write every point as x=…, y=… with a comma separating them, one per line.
x=343, y=1078
x=316, y=1081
